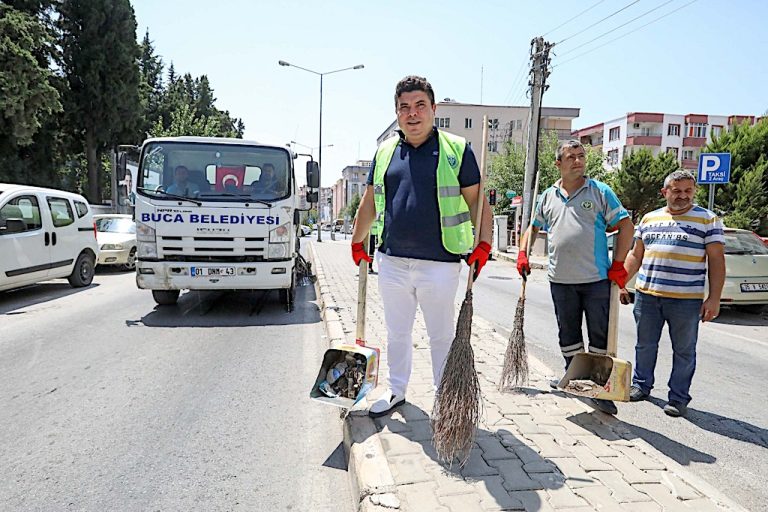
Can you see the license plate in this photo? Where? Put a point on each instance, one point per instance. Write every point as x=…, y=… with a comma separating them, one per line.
x=211, y=271
x=754, y=287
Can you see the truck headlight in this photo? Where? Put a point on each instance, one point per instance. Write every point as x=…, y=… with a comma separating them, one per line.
x=112, y=247
x=144, y=232
x=147, y=250
x=281, y=234
x=277, y=251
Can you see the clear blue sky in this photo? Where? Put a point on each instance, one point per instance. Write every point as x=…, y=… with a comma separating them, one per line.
x=709, y=57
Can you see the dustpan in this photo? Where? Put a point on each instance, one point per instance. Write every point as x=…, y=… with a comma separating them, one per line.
x=610, y=376
x=359, y=350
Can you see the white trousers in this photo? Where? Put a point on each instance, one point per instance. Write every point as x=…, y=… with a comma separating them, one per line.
x=405, y=283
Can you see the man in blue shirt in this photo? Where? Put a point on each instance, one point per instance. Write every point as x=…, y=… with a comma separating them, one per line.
x=577, y=210
x=416, y=267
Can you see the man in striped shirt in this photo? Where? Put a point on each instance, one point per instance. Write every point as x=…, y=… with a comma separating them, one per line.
x=675, y=248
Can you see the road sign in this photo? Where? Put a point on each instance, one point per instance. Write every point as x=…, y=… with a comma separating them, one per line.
x=714, y=168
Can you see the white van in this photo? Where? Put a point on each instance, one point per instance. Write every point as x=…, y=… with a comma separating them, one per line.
x=44, y=234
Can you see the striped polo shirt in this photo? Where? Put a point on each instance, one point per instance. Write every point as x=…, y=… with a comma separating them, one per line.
x=675, y=261
x=575, y=225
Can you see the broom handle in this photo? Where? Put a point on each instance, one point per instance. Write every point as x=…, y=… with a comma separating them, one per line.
x=613, y=321
x=529, y=241
x=362, y=285
x=480, y=197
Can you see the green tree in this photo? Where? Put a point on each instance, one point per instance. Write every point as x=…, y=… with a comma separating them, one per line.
x=750, y=204
x=352, y=207
x=640, y=178
x=28, y=97
x=184, y=122
x=100, y=62
x=151, y=85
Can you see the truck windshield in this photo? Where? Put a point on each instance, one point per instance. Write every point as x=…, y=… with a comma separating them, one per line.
x=215, y=172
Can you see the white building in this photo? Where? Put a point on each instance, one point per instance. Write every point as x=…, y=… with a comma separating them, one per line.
x=351, y=183
x=683, y=135
x=506, y=122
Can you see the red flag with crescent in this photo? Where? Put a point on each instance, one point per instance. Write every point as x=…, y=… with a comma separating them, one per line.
x=229, y=177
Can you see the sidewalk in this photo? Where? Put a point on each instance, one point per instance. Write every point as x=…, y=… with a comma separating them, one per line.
x=536, y=450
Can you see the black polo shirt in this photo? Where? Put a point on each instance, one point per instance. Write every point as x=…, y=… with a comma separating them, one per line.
x=412, y=215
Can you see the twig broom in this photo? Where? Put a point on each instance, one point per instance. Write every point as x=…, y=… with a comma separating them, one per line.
x=514, y=373
x=458, y=402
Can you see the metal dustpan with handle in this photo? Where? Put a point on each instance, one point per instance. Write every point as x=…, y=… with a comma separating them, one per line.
x=605, y=377
x=363, y=353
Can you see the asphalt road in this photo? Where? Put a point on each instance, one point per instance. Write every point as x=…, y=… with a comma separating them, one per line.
x=111, y=403
x=724, y=438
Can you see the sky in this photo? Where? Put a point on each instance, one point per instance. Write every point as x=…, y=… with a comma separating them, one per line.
x=707, y=57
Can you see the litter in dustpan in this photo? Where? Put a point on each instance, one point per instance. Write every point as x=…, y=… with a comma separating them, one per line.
x=348, y=373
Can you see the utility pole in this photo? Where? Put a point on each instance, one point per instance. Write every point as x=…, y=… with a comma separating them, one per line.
x=539, y=73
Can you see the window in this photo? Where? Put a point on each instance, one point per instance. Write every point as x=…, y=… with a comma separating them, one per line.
x=697, y=130
x=81, y=208
x=673, y=130
x=613, y=156
x=443, y=122
x=61, y=211
x=717, y=130
x=467, y=122
x=687, y=154
x=492, y=146
x=23, y=208
x=674, y=151
x=614, y=133
x=519, y=124
x=493, y=124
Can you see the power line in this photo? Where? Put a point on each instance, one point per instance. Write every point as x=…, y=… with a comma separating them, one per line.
x=573, y=18
x=624, y=35
x=646, y=13
x=516, y=83
x=597, y=22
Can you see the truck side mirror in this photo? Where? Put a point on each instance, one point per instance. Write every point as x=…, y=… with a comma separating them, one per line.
x=313, y=175
x=312, y=197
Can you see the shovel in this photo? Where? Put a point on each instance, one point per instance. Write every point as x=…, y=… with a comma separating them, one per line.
x=604, y=377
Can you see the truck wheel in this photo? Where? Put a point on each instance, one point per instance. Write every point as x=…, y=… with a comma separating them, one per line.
x=82, y=273
x=165, y=297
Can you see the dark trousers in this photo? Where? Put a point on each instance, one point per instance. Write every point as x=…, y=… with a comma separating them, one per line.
x=573, y=302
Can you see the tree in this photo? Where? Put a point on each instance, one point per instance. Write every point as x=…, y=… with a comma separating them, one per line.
x=151, y=85
x=28, y=96
x=100, y=62
x=750, y=204
x=639, y=181
x=184, y=122
x=352, y=207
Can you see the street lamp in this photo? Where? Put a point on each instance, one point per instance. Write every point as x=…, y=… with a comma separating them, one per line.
x=320, y=142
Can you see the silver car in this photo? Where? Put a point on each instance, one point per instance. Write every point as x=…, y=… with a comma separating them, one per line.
x=116, y=235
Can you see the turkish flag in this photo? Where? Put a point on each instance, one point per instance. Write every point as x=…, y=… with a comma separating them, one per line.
x=229, y=178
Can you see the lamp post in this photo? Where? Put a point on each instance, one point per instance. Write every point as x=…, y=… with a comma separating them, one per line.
x=320, y=137
x=310, y=148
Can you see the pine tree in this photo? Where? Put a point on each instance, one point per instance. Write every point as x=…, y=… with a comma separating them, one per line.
x=100, y=62
x=639, y=180
x=151, y=85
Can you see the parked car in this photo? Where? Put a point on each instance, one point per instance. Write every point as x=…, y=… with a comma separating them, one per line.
x=45, y=234
x=746, y=270
x=116, y=235
x=305, y=230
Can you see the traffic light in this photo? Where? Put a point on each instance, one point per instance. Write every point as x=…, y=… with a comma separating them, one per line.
x=492, y=196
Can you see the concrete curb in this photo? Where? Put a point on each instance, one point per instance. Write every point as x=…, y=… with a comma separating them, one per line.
x=373, y=485
x=507, y=256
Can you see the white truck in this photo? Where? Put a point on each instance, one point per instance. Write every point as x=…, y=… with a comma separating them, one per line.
x=216, y=213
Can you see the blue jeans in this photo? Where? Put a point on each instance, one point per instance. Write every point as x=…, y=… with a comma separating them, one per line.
x=573, y=302
x=682, y=318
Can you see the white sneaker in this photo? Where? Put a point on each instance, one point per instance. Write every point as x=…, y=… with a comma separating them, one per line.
x=385, y=404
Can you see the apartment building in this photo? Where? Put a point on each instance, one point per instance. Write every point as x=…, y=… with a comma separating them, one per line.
x=351, y=183
x=683, y=135
x=506, y=122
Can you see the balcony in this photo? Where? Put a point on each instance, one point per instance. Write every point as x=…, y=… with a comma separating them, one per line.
x=644, y=140
x=694, y=142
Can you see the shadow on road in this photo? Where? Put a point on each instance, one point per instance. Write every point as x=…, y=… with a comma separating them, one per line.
x=722, y=425
x=233, y=309
x=736, y=316
x=13, y=300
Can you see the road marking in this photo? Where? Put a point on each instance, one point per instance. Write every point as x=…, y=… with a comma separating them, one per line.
x=752, y=340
